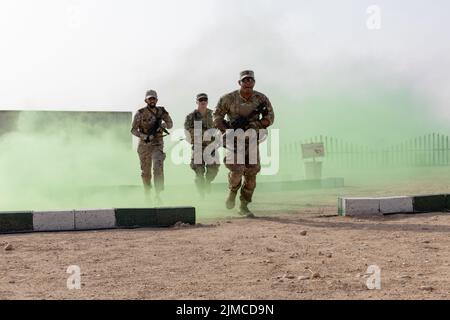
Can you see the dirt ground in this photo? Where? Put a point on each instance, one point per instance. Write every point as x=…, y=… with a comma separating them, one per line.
x=235, y=258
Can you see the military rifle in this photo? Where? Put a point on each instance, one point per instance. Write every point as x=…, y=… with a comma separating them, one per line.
x=244, y=122
x=154, y=130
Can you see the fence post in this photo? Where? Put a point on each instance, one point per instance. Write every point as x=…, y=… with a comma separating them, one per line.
x=352, y=156
x=368, y=158
x=347, y=153
x=438, y=147
x=434, y=149
x=330, y=151
x=443, y=149
x=447, y=150
x=401, y=154
x=411, y=153
x=392, y=157
x=423, y=141
x=337, y=153
x=415, y=151
x=423, y=147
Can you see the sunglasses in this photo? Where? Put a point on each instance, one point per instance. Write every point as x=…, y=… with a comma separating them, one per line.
x=202, y=100
x=248, y=79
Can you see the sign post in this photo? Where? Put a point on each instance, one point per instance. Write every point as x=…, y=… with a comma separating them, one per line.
x=313, y=169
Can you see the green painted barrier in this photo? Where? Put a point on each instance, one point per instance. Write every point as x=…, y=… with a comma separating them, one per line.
x=430, y=203
x=20, y=221
x=153, y=217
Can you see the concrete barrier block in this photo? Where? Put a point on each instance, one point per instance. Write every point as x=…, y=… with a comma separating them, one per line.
x=18, y=221
x=360, y=206
x=170, y=215
x=53, y=220
x=154, y=217
x=429, y=203
x=90, y=219
x=390, y=205
x=136, y=217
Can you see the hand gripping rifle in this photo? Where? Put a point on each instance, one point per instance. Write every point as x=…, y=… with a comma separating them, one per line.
x=244, y=122
x=155, y=129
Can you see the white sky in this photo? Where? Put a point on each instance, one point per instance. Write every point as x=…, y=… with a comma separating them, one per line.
x=122, y=48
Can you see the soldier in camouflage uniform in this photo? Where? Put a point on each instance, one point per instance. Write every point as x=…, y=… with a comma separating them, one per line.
x=150, y=149
x=205, y=171
x=242, y=103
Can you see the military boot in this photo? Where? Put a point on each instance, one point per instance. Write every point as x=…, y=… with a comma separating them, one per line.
x=231, y=200
x=148, y=195
x=244, y=210
x=200, y=184
x=147, y=192
x=158, y=199
x=207, y=186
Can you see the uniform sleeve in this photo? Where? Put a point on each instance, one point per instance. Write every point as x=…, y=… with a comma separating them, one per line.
x=135, y=126
x=189, y=128
x=270, y=116
x=167, y=120
x=221, y=110
x=188, y=122
x=209, y=120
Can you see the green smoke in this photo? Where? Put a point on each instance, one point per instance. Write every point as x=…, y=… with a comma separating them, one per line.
x=69, y=163
x=375, y=130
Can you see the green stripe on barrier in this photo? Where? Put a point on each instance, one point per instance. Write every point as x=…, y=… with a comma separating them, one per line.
x=16, y=221
x=430, y=203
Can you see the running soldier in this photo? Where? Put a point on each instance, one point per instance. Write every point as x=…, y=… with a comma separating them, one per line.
x=245, y=109
x=205, y=169
x=150, y=125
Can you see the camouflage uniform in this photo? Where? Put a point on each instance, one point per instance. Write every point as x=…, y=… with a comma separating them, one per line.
x=205, y=172
x=151, y=153
x=233, y=105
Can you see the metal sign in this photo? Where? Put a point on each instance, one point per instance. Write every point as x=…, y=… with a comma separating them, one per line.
x=313, y=150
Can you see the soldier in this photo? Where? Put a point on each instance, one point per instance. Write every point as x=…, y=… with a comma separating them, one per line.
x=205, y=170
x=241, y=106
x=149, y=127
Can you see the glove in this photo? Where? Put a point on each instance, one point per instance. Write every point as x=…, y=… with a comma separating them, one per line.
x=255, y=125
x=223, y=126
x=264, y=123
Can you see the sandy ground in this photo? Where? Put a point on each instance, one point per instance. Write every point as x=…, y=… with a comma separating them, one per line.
x=235, y=258
x=226, y=257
